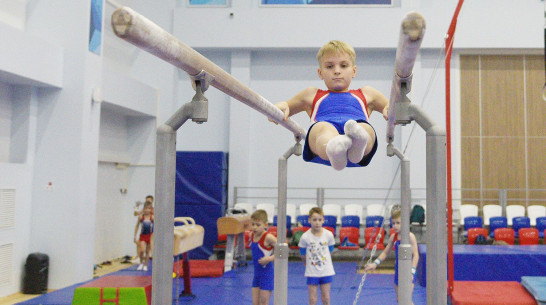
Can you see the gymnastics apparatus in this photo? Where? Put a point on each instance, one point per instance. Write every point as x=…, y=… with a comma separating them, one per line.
x=143, y=33
x=187, y=237
x=234, y=226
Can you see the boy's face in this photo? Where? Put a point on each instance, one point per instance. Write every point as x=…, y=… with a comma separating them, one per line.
x=147, y=210
x=337, y=71
x=258, y=226
x=316, y=220
x=396, y=223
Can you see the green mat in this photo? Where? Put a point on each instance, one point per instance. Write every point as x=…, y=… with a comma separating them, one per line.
x=127, y=296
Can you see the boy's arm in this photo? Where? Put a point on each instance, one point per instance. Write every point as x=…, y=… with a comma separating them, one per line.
x=303, y=101
x=303, y=249
x=303, y=255
x=136, y=228
x=381, y=256
x=414, y=250
x=270, y=241
x=376, y=101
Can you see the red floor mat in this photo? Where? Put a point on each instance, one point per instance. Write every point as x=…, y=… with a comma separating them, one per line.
x=201, y=268
x=490, y=293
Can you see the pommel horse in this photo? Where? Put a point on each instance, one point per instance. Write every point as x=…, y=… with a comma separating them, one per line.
x=234, y=227
x=187, y=237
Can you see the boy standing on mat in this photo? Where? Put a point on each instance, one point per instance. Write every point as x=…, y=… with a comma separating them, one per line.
x=146, y=220
x=138, y=212
x=315, y=247
x=394, y=242
x=341, y=134
x=261, y=245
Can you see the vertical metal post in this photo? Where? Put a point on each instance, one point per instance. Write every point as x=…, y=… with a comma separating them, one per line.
x=436, y=216
x=281, y=248
x=164, y=214
x=320, y=197
x=404, y=251
x=503, y=201
x=165, y=173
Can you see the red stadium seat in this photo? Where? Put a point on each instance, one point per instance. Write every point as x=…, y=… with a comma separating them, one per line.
x=333, y=230
x=505, y=234
x=247, y=239
x=474, y=232
x=221, y=243
x=272, y=230
x=370, y=234
x=352, y=235
x=528, y=236
x=304, y=229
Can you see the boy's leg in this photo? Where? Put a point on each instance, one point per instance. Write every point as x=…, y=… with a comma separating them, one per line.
x=265, y=295
x=151, y=245
x=142, y=251
x=148, y=250
x=255, y=295
x=319, y=136
x=325, y=293
x=359, y=137
x=326, y=142
x=313, y=294
x=371, y=138
x=147, y=257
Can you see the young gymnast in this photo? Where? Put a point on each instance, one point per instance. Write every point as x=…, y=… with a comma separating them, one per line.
x=315, y=247
x=262, y=244
x=146, y=220
x=138, y=212
x=394, y=242
x=341, y=134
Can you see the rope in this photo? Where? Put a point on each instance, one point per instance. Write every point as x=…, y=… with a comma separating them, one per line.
x=441, y=57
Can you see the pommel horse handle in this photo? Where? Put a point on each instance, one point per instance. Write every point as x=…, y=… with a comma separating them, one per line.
x=188, y=236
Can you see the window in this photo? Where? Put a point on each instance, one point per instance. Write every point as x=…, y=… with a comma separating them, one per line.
x=330, y=2
x=208, y=2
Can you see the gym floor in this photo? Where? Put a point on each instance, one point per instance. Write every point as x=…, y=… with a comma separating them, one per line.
x=235, y=287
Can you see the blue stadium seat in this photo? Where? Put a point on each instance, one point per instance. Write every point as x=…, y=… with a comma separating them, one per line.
x=519, y=223
x=288, y=222
x=495, y=223
x=472, y=222
x=303, y=220
x=541, y=226
x=374, y=221
x=350, y=221
x=330, y=221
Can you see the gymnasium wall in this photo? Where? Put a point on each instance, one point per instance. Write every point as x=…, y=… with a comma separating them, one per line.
x=48, y=78
x=504, y=132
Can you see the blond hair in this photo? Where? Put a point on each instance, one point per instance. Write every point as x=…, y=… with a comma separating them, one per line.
x=336, y=46
x=316, y=210
x=259, y=215
x=396, y=211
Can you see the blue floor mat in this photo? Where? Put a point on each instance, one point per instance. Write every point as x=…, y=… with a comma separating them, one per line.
x=235, y=289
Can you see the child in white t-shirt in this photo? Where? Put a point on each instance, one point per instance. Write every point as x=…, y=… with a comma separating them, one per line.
x=315, y=247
